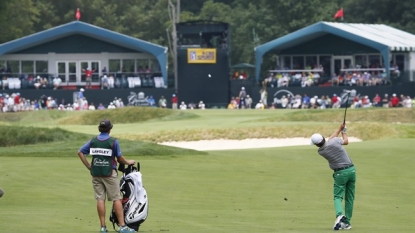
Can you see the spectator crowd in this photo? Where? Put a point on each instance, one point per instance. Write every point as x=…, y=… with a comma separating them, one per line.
x=17, y=103
x=244, y=101
x=374, y=75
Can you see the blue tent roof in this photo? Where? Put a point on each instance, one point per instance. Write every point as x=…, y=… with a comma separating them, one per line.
x=378, y=36
x=78, y=27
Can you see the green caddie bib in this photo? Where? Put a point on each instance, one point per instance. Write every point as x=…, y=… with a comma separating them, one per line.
x=102, y=158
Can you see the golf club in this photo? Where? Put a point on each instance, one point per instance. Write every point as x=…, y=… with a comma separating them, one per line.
x=347, y=104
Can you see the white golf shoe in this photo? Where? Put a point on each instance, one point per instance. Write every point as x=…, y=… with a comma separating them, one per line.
x=338, y=222
x=345, y=226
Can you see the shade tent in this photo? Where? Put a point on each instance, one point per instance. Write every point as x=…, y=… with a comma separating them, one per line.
x=380, y=37
x=102, y=34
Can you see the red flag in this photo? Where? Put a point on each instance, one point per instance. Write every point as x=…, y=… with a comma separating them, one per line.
x=339, y=14
x=78, y=14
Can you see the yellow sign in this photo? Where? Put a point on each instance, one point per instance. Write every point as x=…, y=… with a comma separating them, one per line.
x=200, y=56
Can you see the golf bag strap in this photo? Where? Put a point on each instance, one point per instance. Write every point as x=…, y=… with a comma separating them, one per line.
x=113, y=225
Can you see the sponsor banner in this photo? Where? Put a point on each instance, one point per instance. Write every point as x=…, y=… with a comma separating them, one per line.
x=201, y=56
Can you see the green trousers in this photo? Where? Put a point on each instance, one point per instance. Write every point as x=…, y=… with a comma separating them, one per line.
x=344, y=187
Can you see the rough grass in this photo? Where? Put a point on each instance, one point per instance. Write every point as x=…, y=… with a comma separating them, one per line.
x=125, y=115
x=40, y=116
x=18, y=135
x=384, y=115
x=364, y=131
x=67, y=148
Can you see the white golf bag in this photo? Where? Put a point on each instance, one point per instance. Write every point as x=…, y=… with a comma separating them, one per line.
x=134, y=202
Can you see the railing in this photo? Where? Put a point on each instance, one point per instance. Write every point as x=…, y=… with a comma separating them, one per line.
x=121, y=80
x=297, y=70
x=366, y=69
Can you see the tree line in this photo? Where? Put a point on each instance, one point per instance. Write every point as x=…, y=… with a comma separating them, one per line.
x=252, y=22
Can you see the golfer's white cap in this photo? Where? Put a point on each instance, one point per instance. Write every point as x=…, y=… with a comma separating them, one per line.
x=316, y=138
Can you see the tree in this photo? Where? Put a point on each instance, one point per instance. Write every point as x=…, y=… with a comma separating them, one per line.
x=252, y=22
x=47, y=15
x=16, y=19
x=390, y=12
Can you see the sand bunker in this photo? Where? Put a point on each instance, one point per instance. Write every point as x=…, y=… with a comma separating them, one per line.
x=225, y=144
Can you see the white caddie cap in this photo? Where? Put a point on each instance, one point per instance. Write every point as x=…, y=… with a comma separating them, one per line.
x=316, y=138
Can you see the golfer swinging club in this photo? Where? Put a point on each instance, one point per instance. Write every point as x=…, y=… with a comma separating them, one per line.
x=344, y=174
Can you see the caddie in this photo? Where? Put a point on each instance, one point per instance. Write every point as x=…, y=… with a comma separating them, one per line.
x=105, y=152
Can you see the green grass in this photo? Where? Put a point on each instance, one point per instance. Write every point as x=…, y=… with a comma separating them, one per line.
x=47, y=188
x=224, y=191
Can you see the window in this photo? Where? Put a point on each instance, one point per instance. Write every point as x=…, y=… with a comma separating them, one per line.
x=310, y=61
x=298, y=62
x=400, y=61
x=27, y=67
x=141, y=65
x=128, y=65
x=13, y=67
x=96, y=68
x=360, y=61
x=286, y=61
x=114, y=66
x=325, y=62
x=41, y=66
x=374, y=61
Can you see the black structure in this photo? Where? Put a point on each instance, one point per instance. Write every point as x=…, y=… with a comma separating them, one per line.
x=203, y=61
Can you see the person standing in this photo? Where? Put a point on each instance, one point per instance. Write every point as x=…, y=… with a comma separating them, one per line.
x=376, y=100
x=162, y=102
x=242, y=98
x=344, y=174
x=385, y=101
x=81, y=97
x=88, y=77
x=174, y=101
x=105, y=152
x=394, y=102
x=335, y=101
x=264, y=97
x=248, y=102
x=306, y=102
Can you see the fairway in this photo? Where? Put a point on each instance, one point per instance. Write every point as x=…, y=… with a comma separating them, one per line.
x=256, y=190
